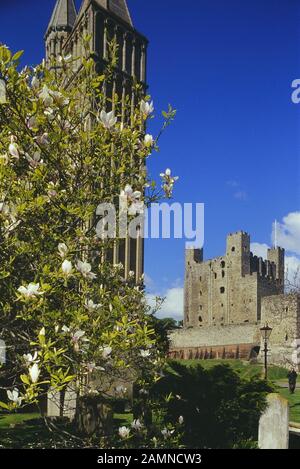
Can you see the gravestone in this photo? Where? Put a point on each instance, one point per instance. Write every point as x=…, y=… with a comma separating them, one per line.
x=274, y=424
x=2, y=352
x=62, y=404
x=94, y=415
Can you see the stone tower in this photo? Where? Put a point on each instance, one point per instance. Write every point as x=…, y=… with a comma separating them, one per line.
x=229, y=289
x=61, y=24
x=228, y=298
x=104, y=20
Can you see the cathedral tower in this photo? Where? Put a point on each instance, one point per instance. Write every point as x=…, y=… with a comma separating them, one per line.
x=104, y=20
x=61, y=24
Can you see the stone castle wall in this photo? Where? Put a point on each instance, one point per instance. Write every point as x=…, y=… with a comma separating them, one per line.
x=282, y=313
x=229, y=289
x=215, y=342
x=227, y=300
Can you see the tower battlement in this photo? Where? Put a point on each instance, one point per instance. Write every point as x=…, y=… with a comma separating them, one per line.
x=229, y=289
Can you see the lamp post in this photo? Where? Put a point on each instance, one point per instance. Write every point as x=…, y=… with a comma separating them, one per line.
x=265, y=333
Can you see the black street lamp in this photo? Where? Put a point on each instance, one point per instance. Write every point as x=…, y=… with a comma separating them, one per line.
x=266, y=332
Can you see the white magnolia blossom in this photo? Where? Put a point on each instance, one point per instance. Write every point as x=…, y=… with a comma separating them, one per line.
x=167, y=433
x=34, y=373
x=52, y=192
x=92, y=367
x=65, y=329
x=35, y=82
x=137, y=425
x=64, y=58
x=43, y=140
x=35, y=160
x=49, y=112
x=45, y=96
x=77, y=336
x=180, y=420
x=62, y=249
x=106, y=352
x=108, y=119
x=31, y=122
x=168, y=181
x=14, y=396
x=145, y=353
x=13, y=148
x=59, y=98
x=3, y=98
x=147, y=108
x=4, y=208
x=148, y=140
x=91, y=306
x=42, y=331
x=124, y=432
x=133, y=198
x=30, y=358
x=31, y=291
x=121, y=390
x=86, y=270
x=67, y=268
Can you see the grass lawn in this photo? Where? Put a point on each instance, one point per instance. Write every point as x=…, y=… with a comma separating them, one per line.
x=246, y=370
x=29, y=431
x=294, y=400
x=7, y=420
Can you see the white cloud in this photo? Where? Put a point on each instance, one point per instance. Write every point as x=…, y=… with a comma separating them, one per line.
x=241, y=195
x=288, y=233
x=173, y=304
x=260, y=250
x=293, y=270
x=287, y=236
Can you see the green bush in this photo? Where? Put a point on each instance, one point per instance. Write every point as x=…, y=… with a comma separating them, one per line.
x=220, y=409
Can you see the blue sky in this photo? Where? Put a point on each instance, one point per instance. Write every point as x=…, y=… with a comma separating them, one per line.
x=227, y=67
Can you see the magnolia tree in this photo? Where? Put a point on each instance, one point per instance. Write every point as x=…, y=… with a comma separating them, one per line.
x=64, y=313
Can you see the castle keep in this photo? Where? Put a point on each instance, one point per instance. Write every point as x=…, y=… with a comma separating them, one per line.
x=229, y=289
x=228, y=299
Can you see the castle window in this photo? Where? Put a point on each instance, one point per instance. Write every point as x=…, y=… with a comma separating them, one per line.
x=222, y=290
x=200, y=319
x=233, y=249
x=200, y=293
x=200, y=307
x=286, y=337
x=223, y=264
x=222, y=306
x=223, y=273
x=200, y=279
x=287, y=309
x=216, y=275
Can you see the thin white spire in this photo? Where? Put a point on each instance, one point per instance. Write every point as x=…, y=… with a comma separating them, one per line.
x=275, y=235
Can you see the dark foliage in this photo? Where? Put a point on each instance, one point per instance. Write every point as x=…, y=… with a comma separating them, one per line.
x=220, y=409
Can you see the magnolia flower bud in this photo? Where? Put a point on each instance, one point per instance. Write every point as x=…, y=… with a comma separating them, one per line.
x=34, y=373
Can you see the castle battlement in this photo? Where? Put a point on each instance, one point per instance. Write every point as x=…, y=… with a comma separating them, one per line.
x=228, y=289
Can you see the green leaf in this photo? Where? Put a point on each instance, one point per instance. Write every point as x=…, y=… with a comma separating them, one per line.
x=17, y=55
x=25, y=379
x=4, y=406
